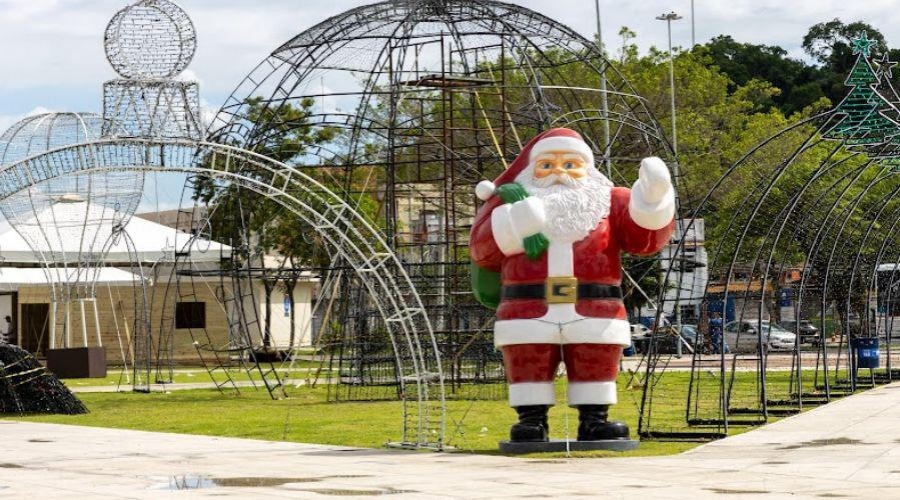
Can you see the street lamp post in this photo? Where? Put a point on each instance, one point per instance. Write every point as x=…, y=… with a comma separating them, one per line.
x=668, y=18
x=604, y=99
x=693, y=33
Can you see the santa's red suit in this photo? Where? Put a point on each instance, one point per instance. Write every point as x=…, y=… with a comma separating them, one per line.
x=565, y=304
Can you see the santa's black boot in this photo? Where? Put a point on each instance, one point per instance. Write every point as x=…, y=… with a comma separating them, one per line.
x=594, y=426
x=532, y=425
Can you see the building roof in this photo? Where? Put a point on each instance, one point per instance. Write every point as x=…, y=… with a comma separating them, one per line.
x=150, y=243
x=13, y=277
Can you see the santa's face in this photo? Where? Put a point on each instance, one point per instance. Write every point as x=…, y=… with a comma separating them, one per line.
x=575, y=194
x=559, y=167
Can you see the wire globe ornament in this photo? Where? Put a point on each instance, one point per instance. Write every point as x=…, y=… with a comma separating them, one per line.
x=151, y=39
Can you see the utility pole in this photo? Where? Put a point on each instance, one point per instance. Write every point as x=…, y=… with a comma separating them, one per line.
x=668, y=18
x=604, y=101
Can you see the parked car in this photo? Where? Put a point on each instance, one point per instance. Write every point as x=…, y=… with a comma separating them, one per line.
x=666, y=339
x=743, y=336
x=809, y=334
x=639, y=330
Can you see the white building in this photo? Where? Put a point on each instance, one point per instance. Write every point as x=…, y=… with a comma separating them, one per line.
x=39, y=322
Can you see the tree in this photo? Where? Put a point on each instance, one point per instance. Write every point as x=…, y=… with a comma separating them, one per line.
x=800, y=84
x=830, y=44
x=261, y=227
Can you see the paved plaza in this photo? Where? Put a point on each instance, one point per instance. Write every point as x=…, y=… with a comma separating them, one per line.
x=850, y=448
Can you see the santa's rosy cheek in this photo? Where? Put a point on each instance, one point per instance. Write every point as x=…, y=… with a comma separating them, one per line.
x=577, y=173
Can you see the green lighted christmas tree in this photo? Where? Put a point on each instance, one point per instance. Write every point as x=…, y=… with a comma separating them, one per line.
x=864, y=122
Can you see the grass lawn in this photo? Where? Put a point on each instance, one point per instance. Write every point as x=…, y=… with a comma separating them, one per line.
x=188, y=375
x=472, y=426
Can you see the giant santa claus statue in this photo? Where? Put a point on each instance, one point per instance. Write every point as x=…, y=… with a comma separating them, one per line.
x=546, y=251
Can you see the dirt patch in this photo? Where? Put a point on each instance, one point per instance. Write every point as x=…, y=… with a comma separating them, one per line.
x=729, y=491
x=362, y=493
x=820, y=443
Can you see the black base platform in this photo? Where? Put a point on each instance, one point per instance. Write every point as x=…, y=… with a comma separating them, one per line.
x=563, y=445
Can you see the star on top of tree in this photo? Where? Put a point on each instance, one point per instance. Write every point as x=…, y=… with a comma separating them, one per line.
x=885, y=65
x=863, y=45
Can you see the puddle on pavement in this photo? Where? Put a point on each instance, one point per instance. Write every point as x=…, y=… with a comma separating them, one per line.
x=361, y=493
x=819, y=443
x=193, y=482
x=728, y=491
x=775, y=463
x=11, y=466
x=40, y=440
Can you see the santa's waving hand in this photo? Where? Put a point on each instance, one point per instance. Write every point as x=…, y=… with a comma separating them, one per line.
x=551, y=231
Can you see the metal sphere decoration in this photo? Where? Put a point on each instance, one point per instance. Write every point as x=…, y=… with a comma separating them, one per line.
x=151, y=39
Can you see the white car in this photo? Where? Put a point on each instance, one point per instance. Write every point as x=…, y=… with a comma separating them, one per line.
x=743, y=336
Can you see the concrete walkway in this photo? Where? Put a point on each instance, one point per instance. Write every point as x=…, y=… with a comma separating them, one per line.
x=850, y=448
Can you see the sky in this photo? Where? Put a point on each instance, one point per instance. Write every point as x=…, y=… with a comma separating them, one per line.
x=51, y=51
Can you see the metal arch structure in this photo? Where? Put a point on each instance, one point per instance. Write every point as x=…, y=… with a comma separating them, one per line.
x=426, y=99
x=808, y=235
x=349, y=234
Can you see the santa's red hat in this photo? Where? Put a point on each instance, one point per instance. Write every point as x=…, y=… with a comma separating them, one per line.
x=557, y=139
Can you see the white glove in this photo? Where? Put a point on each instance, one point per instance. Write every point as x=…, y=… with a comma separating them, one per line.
x=528, y=216
x=654, y=180
x=652, y=203
x=513, y=222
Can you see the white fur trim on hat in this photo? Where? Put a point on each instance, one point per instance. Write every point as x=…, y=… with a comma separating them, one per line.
x=484, y=190
x=562, y=143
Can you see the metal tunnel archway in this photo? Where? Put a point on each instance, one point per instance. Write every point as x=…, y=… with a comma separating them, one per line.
x=346, y=231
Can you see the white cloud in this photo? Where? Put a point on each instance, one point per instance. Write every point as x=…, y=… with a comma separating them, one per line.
x=189, y=75
x=207, y=113
x=7, y=121
x=40, y=110
x=56, y=46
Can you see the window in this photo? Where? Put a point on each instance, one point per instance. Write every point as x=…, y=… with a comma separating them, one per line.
x=190, y=315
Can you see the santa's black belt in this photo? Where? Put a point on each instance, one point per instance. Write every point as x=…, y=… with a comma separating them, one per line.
x=562, y=290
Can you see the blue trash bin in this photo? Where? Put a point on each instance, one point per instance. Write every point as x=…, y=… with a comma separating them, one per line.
x=867, y=352
x=628, y=351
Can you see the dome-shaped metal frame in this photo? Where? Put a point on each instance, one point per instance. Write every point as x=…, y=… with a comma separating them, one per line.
x=424, y=98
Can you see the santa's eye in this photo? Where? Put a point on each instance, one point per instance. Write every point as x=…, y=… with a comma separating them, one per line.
x=569, y=165
x=547, y=166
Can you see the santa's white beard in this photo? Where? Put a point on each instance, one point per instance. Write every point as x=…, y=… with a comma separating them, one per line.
x=574, y=208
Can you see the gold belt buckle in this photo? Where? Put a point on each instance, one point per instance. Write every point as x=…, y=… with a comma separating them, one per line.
x=561, y=290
